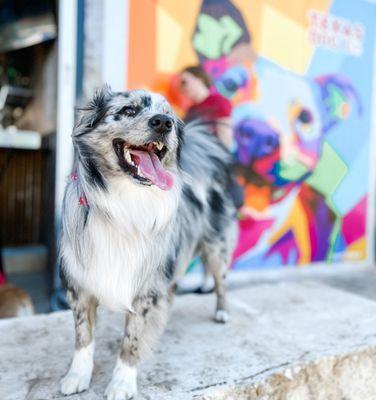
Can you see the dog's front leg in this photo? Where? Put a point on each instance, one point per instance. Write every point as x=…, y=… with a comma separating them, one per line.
x=141, y=330
x=84, y=311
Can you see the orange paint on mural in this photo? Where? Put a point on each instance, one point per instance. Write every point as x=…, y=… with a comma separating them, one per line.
x=297, y=223
x=142, y=51
x=257, y=197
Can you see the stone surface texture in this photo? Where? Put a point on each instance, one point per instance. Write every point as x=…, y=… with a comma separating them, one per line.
x=290, y=339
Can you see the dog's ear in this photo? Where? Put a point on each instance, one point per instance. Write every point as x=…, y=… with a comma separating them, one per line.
x=180, y=127
x=180, y=133
x=94, y=111
x=339, y=98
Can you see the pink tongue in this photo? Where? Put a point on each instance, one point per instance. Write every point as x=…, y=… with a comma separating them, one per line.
x=152, y=169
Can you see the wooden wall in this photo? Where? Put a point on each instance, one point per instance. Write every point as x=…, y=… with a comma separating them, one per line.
x=26, y=196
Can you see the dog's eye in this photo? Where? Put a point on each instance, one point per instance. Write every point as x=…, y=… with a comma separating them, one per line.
x=130, y=111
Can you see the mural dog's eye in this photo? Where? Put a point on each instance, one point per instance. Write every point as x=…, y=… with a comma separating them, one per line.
x=304, y=123
x=269, y=141
x=129, y=111
x=246, y=133
x=305, y=116
x=230, y=85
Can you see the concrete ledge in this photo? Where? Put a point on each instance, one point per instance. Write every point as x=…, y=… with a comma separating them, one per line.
x=292, y=341
x=349, y=377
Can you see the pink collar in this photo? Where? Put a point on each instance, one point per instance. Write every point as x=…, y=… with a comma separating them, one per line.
x=82, y=200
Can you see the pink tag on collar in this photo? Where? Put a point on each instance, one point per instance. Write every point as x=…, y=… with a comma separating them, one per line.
x=82, y=201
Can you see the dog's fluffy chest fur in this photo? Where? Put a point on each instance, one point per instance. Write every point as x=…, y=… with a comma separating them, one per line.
x=123, y=244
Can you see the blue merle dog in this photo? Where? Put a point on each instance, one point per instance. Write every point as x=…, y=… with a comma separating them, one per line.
x=145, y=197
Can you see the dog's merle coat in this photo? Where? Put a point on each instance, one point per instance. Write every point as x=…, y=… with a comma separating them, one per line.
x=124, y=240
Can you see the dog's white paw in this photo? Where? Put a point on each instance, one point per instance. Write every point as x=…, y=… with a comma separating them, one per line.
x=74, y=382
x=79, y=375
x=123, y=385
x=118, y=393
x=222, y=316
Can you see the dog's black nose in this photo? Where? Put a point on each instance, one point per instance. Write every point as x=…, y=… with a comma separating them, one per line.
x=160, y=123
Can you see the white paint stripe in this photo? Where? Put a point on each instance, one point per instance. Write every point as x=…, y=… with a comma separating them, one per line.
x=371, y=215
x=66, y=97
x=114, y=43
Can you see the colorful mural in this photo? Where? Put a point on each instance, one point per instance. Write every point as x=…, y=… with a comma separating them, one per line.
x=299, y=77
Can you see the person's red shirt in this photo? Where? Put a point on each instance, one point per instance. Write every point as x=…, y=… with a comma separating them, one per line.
x=214, y=107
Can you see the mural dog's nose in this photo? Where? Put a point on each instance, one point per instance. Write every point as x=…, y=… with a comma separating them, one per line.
x=268, y=143
x=160, y=123
x=255, y=139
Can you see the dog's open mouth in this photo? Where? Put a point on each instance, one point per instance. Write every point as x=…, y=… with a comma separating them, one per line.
x=144, y=163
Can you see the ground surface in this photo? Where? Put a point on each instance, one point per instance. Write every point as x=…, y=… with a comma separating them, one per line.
x=309, y=335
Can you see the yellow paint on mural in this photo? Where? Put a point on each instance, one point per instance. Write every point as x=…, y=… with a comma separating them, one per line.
x=271, y=23
x=297, y=9
x=169, y=36
x=184, y=14
x=292, y=11
x=284, y=41
x=356, y=251
x=251, y=12
x=297, y=223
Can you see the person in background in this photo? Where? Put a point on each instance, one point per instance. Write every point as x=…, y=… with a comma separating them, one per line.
x=211, y=108
x=207, y=105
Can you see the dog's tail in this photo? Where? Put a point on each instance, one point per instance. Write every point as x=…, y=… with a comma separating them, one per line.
x=203, y=155
x=206, y=160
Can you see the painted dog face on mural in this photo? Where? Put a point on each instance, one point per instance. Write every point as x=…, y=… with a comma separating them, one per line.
x=290, y=168
x=280, y=118
x=280, y=134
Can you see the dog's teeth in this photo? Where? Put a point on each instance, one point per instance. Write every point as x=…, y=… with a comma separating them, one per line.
x=158, y=145
x=127, y=156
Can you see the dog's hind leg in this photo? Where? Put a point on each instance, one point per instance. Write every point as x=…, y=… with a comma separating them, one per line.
x=141, y=331
x=216, y=258
x=217, y=267
x=84, y=311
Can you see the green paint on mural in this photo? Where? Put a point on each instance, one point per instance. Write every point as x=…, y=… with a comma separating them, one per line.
x=328, y=174
x=291, y=170
x=278, y=194
x=233, y=33
x=194, y=263
x=334, y=237
x=335, y=101
x=215, y=37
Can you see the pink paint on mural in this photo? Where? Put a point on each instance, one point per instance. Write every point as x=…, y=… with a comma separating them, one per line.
x=354, y=223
